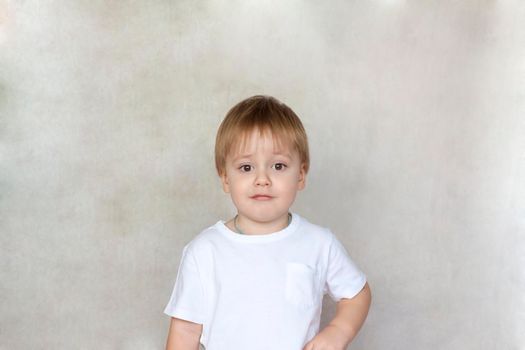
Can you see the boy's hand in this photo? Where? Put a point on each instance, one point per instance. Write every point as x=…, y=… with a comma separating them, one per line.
x=330, y=338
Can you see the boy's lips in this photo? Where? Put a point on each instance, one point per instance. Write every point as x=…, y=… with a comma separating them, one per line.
x=261, y=197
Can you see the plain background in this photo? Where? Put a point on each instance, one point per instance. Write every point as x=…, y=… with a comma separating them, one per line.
x=415, y=114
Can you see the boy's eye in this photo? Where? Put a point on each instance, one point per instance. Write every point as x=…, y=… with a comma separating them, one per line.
x=280, y=166
x=247, y=167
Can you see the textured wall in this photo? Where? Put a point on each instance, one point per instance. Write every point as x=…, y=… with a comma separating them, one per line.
x=415, y=113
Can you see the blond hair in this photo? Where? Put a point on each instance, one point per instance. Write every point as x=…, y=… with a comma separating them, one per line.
x=265, y=114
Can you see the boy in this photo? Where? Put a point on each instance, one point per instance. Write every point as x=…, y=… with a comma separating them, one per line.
x=257, y=281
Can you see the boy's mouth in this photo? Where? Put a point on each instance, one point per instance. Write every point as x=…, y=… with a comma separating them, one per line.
x=261, y=197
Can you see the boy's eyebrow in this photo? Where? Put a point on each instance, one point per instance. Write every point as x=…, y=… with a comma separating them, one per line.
x=275, y=153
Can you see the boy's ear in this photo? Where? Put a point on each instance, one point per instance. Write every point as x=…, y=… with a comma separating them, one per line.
x=302, y=177
x=225, y=183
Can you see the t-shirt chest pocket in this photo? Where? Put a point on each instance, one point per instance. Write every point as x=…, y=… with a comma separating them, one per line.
x=301, y=284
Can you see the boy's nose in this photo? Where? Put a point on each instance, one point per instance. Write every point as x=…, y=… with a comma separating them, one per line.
x=262, y=179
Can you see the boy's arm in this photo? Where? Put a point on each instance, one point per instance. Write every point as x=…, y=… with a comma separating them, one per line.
x=183, y=335
x=351, y=313
x=349, y=317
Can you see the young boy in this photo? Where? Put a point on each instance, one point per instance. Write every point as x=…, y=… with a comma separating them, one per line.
x=257, y=281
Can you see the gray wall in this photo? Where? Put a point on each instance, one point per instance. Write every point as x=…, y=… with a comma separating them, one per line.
x=415, y=113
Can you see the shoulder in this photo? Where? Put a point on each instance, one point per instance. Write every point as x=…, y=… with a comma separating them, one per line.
x=317, y=233
x=204, y=241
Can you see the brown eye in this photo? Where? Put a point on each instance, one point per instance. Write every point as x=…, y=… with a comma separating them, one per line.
x=280, y=166
x=243, y=167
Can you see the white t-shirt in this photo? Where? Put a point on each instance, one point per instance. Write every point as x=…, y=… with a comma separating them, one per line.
x=261, y=291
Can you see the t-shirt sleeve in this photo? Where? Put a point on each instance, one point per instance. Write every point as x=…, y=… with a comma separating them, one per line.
x=187, y=299
x=343, y=278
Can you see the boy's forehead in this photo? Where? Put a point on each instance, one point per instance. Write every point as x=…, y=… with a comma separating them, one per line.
x=245, y=144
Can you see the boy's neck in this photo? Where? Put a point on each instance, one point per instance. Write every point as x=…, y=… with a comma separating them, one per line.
x=260, y=230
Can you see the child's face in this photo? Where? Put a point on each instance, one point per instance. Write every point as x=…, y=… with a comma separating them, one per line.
x=256, y=170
